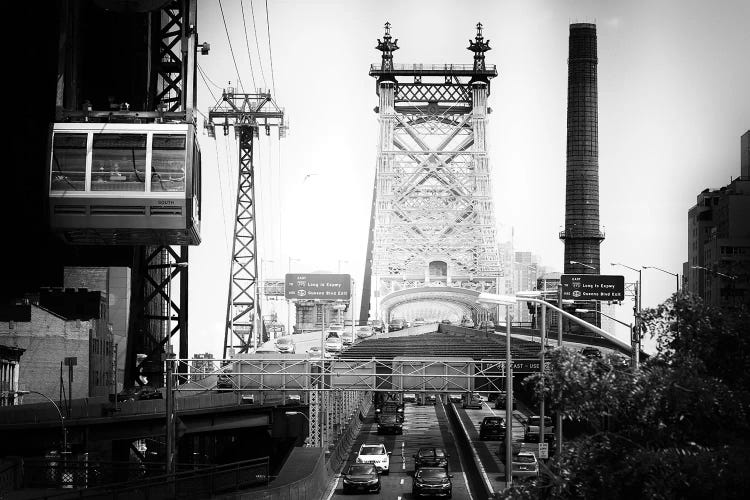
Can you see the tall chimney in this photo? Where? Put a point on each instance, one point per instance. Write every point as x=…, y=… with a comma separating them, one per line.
x=582, y=235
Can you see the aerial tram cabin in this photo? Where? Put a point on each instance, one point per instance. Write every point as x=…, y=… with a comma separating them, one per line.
x=124, y=183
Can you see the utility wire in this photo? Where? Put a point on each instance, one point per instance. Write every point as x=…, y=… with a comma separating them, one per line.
x=270, y=54
x=257, y=47
x=205, y=81
x=247, y=43
x=231, y=50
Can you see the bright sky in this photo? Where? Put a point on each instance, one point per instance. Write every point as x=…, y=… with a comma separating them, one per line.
x=673, y=102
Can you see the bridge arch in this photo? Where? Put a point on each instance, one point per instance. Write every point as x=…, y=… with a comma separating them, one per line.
x=454, y=303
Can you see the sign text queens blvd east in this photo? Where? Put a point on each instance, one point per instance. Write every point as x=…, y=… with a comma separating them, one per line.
x=317, y=286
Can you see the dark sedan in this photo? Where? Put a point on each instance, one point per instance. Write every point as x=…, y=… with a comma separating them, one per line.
x=361, y=477
x=432, y=482
x=492, y=428
x=430, y=457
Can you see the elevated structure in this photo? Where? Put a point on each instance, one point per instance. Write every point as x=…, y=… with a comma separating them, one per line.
x=123, y=171
x=245, y=113
x=582, y=235
x=433, y=225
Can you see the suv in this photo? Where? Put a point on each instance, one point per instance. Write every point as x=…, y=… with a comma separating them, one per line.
x=390, y=423
x=389, y=407
x=525, y=465
x=396, y=324
x=531, y=426
x=430, y=457
x=432, y=481
x=377, y=325
x=471, y=400
x=492, y=428
x=375, y=454
x=286, y=344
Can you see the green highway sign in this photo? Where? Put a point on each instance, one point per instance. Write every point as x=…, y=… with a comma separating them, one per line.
x=317, y=286
x=592, y=287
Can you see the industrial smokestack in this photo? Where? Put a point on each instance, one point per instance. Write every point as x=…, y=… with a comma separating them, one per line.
x=582, y=235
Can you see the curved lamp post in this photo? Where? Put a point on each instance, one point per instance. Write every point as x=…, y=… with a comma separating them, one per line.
x=676, y=275
x=62, y=418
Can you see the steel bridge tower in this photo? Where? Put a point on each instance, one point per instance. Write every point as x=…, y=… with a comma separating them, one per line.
x=433, y=221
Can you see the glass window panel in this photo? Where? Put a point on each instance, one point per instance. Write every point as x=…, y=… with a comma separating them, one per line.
x=168, y=163
x=119, y=162
x=68, y=163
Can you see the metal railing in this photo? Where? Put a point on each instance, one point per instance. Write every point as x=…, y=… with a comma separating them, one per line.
x=193, y=484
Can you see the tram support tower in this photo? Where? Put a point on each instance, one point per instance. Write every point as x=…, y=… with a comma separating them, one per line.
x=433, y=222
x=246, y=113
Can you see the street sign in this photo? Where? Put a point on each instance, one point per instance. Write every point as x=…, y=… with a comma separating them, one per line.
x=318, y=286
x=543, y=450
x=592, y=287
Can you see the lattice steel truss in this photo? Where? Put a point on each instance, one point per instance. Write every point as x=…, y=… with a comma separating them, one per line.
x=246, y=113
x=433, y=196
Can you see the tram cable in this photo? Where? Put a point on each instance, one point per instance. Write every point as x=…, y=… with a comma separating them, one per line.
x=231, y=50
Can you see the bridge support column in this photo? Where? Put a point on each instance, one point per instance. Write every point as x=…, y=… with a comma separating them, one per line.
x=315, y=417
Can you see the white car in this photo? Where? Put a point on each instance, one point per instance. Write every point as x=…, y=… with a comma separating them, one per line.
x=314, y=353
x=363, y=332
x=286, y=344
x=525, y=465
x=377, y=455
x=333, y=343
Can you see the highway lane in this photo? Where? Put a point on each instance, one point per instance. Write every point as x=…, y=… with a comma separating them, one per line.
x=423, y=426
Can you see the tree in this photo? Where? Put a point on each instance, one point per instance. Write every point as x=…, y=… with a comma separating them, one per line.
x=675, y=428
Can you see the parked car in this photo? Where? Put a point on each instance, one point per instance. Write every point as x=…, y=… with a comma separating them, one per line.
x=286, y=344
x=361, y=477
x=467, y=323
x=432, y=481
x=375, y=454
x=430, y=456
x=396, y=324
x=531, y=426
x=471, y=400
x=492, y=428
x=378, y=325
x=525, y=465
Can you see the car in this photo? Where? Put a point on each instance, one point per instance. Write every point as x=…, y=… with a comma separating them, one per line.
x=286, y=344
x=396, y=324
x=347, y=338
x=293, y=400
x=500, y=401
x=467, y=323
x=348, y=322
x=361, y=477
x=409, y=397
x=433, y=482
x=471, y=400
x=314, y=352
x=486, y=325
x=525, y=465
x=223, y=380
x=363, y=332
x=591, y=352
x=531, y=426
x=454, y=398
x=446, y=322
x=430, y=399
x=333, y=343
x=492, y=428
x=377, y=325
x=419, y=321
x=266, y=349
x=389, y=407
x=430, y=456
x=391, y=423
x=375, y=454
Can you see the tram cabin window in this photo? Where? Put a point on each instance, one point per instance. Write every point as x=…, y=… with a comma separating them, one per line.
x=168, y=163
x=119, y=162
x=68, y=163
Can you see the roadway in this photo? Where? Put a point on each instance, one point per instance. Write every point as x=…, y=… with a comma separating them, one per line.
x=423, y=426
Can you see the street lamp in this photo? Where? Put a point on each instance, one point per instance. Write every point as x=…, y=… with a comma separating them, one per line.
x=62, y=419
x=636, y=338
x=581, y=264
x=676, y=275
x=715, y=272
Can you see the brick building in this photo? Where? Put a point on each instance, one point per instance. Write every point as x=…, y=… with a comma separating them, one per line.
x=59, y=324
x=718, y=266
